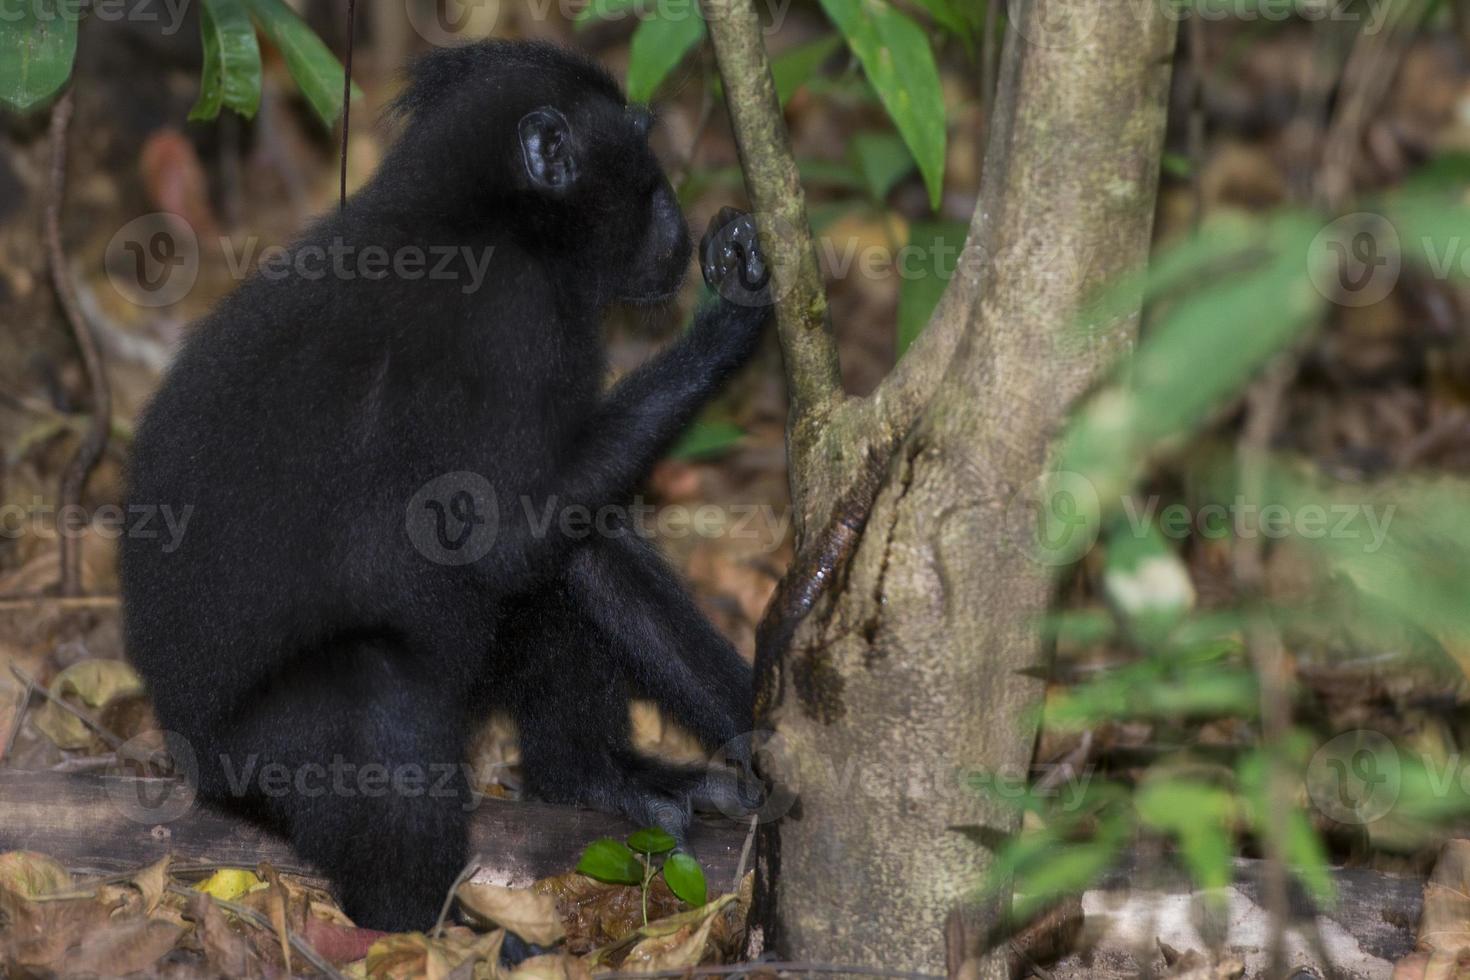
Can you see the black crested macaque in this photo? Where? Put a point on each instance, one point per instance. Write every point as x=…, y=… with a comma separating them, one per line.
x=369, y=435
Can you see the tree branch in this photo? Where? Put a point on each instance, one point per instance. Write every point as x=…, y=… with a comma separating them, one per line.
x=774, y=188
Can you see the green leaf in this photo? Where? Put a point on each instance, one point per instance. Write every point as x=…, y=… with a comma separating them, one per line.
x=685, y=878
x=883, y=159
x=791, y=69
x=651, y=840
x=316, y=70
x=38, y=43
x=705, y=439
x=896, y=55
x=1199, y=353
x=611, y=861
x=933, y=250
x=658, y=45
x=1301, y=845
x=231, y=61
x=1196, y=814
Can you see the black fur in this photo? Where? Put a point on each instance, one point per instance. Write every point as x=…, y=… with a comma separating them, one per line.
x=301, y=621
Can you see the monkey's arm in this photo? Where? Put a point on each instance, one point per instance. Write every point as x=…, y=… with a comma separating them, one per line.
x=671, y=650
x=645, y=412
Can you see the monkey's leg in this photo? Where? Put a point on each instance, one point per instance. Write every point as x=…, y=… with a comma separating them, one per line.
x=358, y=756
x=569, y=696
x=672, y=652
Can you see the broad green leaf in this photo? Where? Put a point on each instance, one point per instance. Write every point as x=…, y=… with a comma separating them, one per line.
x=706, y=439
x=231, y=75
x=685, y=878
x=883, y=159
x=658, y=45
x=1062, y=870
x=316, y=70
x=651, y=840
x=1199, y=816
x=611, y=861
x=791, y=69
x=1299, y=841
x=1200, y=353
x=933, y=252
x=38, y=43
x=896, y=56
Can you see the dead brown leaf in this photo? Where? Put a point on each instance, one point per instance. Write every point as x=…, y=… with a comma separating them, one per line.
x=531, y=915
x=225, y=950
x=122, y=946
x=29, y=874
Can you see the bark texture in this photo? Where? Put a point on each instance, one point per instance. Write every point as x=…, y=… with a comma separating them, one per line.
x=919, y=663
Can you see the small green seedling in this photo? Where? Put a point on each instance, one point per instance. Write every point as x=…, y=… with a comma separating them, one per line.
x=632, y=863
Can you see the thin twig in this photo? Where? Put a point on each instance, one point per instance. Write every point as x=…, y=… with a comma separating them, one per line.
x=245, y=912
x=59, y=602
x=1196, y=119
x=772, y=967
x=989, y=49
x=20, y=715
x=745, y=852
x=1263, y=642
x=347, y=100
x=94, y=442
x=112, y=740
x=460, y=879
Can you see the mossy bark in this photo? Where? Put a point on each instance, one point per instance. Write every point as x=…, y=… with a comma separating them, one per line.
x=916, y=661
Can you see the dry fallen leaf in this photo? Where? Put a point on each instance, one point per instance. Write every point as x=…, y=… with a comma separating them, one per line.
x=412, y=955
x=679, y=950
x=225, y=950
x=38, y=934
x=92, y=683
x=532, y=916
x=29, y=874
x=122, y=947
x=152, y=881
x=1444, y=926
x=552, y=966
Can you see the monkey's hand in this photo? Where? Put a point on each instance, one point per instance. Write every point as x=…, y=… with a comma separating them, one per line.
x=732, y=261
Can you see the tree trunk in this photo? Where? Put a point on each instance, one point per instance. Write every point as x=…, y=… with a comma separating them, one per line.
x=921, y=662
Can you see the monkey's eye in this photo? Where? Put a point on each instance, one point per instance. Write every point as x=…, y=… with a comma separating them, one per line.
x=641, y=119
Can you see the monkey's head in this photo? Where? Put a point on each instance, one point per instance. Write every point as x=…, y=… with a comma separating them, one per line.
x=540, y=141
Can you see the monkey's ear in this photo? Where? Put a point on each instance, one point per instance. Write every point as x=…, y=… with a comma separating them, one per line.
x=548, y=151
